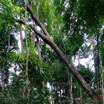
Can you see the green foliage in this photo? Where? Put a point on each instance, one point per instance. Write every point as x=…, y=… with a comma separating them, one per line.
x=87, y=74
x=67, y=21
x=92, y=11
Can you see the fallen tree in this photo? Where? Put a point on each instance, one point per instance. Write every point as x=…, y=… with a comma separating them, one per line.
x=46, y=38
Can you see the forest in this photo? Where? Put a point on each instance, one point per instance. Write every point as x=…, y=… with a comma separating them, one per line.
x=51, y=51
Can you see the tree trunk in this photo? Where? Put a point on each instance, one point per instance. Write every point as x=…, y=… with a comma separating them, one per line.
x=71, y=68
x=101, y=78
x=8, y=42
x=38, y=48
x=33, y=37
x=21, y=38
x=97, y=63
x=70, y=89
x=80, y=95
x=2, y=79
x=102, y=86
x=45, y=37
x=52, y=98
x=97, y=66
x=38, y=40
x=80, y=89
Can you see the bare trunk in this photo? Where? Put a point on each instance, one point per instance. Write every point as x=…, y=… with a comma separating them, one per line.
x=80, y=95
x=98, y=69
x=52, y=99
x=80, y=89
x=47, y=40
x=26, y=89
x=71, y=68
x=33, y=38
x=60, y=95
x=38, y=40
x=101, y=78
x=70, y=89
x=2, y=79
x=21, y=38
x=8, y=42
x=38, y=48
x=102, y=86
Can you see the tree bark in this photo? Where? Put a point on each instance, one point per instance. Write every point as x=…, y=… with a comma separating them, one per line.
x=80, y=89
x=52, y=98
x=80, y=95
x=21, y=38
x=70, y=89
x=2, y=79
x=33, y=37
x=101, y=76
x=38, y=48
x=8, y=42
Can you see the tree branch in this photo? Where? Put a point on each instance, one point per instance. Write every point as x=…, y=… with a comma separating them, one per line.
x=35, y=18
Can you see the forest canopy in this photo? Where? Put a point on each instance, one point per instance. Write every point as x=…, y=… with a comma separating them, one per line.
x=40, y=43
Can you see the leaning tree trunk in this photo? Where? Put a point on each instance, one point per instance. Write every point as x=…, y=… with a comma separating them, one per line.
x=45, y=37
